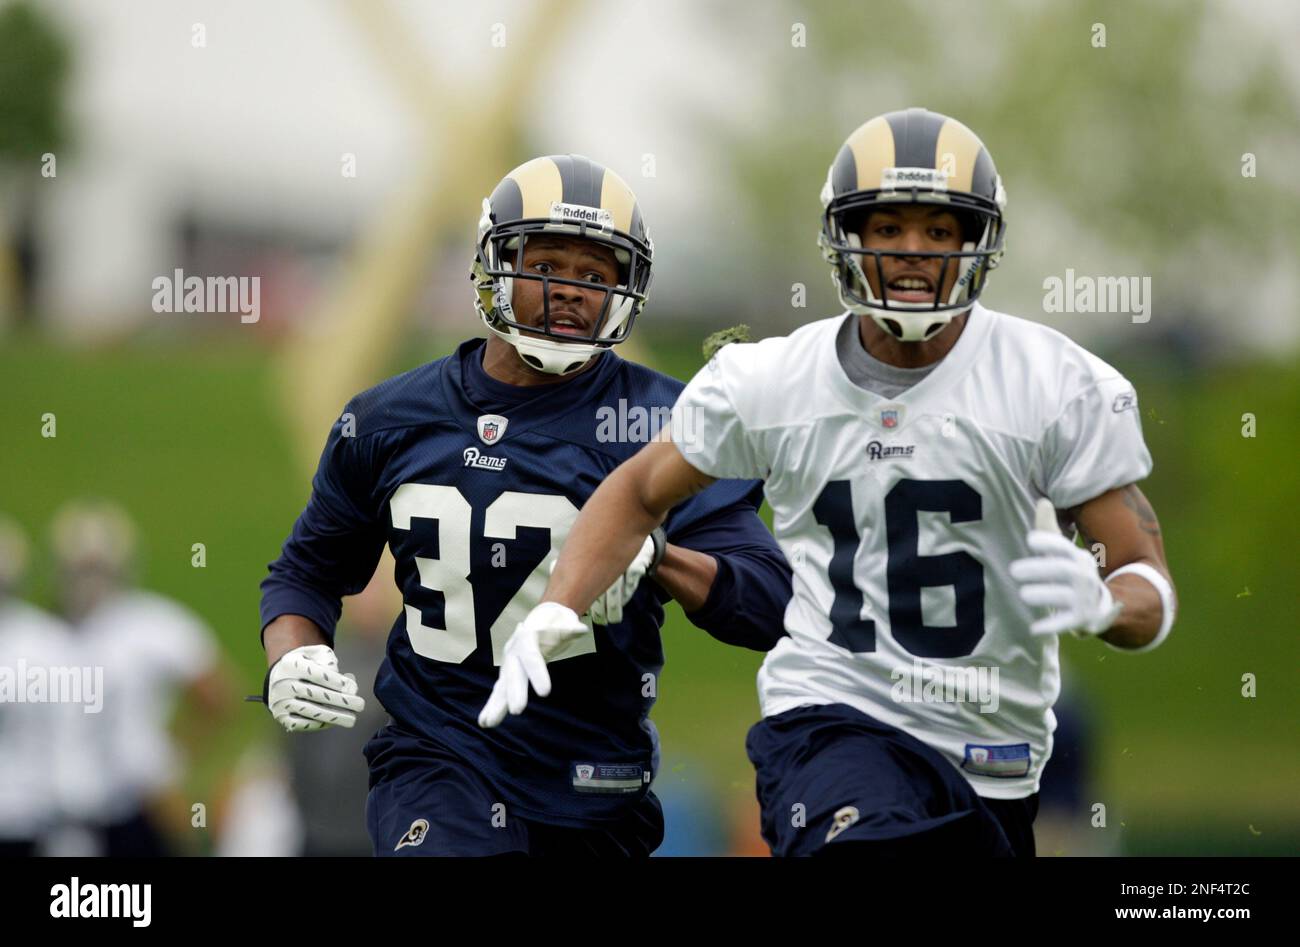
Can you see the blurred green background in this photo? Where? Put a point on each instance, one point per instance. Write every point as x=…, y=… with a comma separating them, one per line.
x=190, y=441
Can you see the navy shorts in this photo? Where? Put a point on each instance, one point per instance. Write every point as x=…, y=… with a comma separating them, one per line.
x=834, y=781
x=424, y=801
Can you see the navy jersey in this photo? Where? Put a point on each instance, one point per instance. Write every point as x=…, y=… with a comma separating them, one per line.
x=474, y=484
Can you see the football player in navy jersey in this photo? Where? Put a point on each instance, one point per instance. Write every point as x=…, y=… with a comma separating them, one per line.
x=472, y=468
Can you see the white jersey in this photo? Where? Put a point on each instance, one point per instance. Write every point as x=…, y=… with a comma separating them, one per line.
x=900, y=518
x=148, y=647
x=34, y=731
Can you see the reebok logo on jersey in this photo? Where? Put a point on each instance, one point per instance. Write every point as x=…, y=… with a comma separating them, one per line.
x=415, y=834
x=477, y=459
x=879, y=451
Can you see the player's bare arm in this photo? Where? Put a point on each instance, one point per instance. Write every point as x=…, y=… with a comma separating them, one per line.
x=613, y=524
x=1125, y=525
x=687, y=575
x=288, y=632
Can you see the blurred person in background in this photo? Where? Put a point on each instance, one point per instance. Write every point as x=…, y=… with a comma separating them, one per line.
x=153, y=650
x=30, y=731
x=328, y=773
x=471, y=469
x=254, y=811
x=1067, y=821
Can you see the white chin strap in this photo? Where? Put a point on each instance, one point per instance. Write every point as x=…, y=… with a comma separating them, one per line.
x=547, y=355
x=918, y=321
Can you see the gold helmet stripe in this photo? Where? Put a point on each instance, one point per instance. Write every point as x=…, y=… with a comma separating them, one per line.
x=872, y=145
x=956, y=152
x=617, y=198
x=540, y=186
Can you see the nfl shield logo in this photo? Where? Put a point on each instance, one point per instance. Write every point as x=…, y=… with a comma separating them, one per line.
x=491, y=428
x=889, y=418
x=585, y=771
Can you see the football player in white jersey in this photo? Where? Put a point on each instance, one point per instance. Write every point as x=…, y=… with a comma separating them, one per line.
x=918, y=452
x=34, y=653
x=151, y=650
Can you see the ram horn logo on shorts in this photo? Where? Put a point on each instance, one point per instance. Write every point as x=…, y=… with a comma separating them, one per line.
x=415, y=834
x=843, y=819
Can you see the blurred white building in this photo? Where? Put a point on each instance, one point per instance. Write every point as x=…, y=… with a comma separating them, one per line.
x=213, y=135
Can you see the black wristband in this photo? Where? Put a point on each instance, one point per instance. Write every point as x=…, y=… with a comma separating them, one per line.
x=660, y=539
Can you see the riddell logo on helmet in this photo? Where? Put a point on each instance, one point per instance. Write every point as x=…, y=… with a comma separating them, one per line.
x=576, y=213
x=891, y=179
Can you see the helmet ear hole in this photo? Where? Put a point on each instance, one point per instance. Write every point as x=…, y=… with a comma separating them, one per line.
x=853, y=223
x=972, y=228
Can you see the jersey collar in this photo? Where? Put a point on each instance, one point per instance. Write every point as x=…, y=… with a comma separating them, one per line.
x=550, y=403
x=890, y=414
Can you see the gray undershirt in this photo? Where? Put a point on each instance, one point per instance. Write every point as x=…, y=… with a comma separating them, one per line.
x=870, y=373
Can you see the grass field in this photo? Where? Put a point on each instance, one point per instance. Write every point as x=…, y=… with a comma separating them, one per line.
x=188, y=438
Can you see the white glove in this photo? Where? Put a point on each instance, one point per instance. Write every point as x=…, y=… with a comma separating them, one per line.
x=1063, y=577
x=538, y=638
x=305, y=691
x=608, y=607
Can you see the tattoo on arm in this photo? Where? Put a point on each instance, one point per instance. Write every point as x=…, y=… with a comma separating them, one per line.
x=1146, y=516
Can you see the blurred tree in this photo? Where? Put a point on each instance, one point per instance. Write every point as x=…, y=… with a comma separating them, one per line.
x=355, y=336
x=34, y=60
x=1136, y=147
